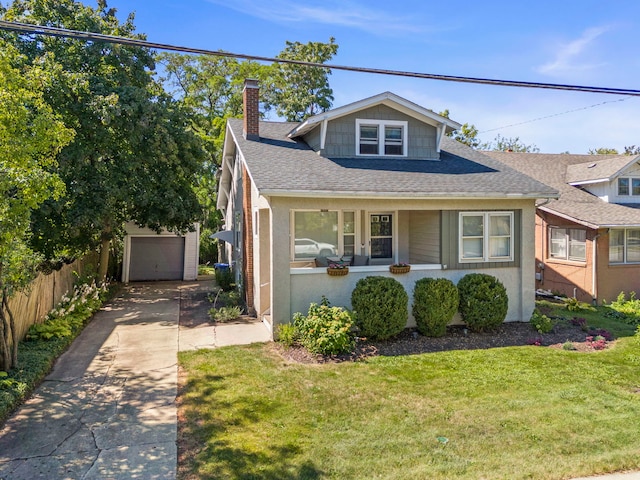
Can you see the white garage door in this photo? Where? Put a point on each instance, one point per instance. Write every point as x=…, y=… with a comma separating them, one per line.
x=156, y=258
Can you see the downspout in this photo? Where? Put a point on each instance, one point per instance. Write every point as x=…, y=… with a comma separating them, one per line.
x=594, y=283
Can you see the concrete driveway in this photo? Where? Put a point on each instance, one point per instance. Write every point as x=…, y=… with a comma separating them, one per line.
x=108, y=408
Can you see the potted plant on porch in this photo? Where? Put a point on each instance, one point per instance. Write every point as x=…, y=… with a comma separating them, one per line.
x=337, y=269
x=400, y=268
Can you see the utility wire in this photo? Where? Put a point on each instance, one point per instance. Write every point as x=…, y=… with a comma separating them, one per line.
x=98, y=37
x=555, y=115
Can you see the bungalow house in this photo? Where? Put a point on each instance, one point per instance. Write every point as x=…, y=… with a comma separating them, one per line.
x=587, y=240
x=373, y=183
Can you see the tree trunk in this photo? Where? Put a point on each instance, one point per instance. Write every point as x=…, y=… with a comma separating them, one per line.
x=5, y=354
x=14, y=331
x=104, y=258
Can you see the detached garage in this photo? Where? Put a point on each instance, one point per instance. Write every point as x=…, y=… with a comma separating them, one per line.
x=149, y=256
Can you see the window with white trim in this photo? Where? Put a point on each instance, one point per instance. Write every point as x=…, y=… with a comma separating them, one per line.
x=486, y=237
x=568, y=244
x=629, y=186
x=624, y=245
x=381, y=137
x=318, y=233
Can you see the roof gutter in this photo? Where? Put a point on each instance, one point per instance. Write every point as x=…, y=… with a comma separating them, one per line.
x=403, y=195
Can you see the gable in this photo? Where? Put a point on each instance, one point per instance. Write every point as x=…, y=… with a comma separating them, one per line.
x=342, y=135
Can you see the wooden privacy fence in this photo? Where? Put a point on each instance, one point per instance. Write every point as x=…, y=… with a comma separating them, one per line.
x=45, y=292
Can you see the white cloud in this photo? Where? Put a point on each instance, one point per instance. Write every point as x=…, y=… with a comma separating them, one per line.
x=338, y=13
x=569, y=56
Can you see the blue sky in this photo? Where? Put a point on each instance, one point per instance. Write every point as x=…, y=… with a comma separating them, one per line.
x=573, y=42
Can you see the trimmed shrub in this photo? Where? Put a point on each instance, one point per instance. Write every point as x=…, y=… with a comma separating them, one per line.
x=381, y=307
x=325, y=329
x=483, y=301
x=435, y=302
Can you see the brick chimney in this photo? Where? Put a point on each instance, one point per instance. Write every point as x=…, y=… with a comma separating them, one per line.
x=251, y=104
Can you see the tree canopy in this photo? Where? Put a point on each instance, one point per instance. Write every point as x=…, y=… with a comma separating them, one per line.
x=134, y=156
x=31, y=135
x=211, y=87
x=300, y=91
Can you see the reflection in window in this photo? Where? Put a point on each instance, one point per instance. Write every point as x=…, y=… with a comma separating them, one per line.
x=624, y=246
x=316, y=234
x=568, y=244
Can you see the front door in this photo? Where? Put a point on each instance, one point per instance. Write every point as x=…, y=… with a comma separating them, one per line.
x=381, y=235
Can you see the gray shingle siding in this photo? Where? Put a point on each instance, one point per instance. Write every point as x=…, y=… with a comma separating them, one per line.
x=341, y=133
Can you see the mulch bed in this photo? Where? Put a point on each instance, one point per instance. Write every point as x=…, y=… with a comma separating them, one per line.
x=411, y=342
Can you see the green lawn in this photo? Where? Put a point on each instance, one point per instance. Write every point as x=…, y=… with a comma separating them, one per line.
x=518, y=412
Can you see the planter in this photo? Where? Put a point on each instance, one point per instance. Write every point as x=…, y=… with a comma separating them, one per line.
x=397, y=269
x=337, y=272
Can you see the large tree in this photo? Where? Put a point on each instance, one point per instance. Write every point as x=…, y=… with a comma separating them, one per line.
x=31, y=135
x=301, y=91
x=468, y=133
x=134, y=157
x=211, y=88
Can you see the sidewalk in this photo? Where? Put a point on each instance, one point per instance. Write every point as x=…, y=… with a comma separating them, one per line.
x=108, y=408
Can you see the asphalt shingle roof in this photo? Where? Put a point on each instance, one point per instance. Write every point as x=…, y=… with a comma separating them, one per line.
x=574, y=202
x=598, y=167
x=280, y=165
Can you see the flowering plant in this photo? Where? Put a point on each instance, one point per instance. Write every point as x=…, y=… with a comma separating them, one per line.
x=401, y=264
x=71, y=313
x=338, y=265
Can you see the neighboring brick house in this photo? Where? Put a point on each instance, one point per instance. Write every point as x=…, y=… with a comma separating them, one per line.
x=373, y=183
x=588, y=240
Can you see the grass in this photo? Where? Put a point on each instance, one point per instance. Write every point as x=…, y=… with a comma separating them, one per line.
x=206, y=270
x=599, y=317
x=517, y=412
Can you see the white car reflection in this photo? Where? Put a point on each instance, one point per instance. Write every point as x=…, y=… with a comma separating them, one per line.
x=307, y=247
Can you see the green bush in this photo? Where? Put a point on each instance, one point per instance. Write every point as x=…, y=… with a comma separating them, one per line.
x=325, y=329
x=575, y=305
x=629, y=308
x=224, y=278
x=287, y=334
x=224, y=314
x=435, y=302
x=540, y=322
x=483, y=301
x=381, y=307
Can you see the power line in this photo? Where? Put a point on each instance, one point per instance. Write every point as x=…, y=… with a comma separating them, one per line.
x=98, y=37
x=555, y=115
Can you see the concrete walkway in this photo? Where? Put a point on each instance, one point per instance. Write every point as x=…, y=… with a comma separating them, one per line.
x=108, y=411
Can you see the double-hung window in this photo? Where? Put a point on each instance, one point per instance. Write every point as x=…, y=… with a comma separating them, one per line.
x=624, y=245
x=629, y=186
x=381, y=137
x=568, y=244
x=486, y=236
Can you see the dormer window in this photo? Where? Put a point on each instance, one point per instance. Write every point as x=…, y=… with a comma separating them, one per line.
x=381, y=137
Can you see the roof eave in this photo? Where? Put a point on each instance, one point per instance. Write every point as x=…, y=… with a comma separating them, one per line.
x=405, y=195
x=386, y=98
